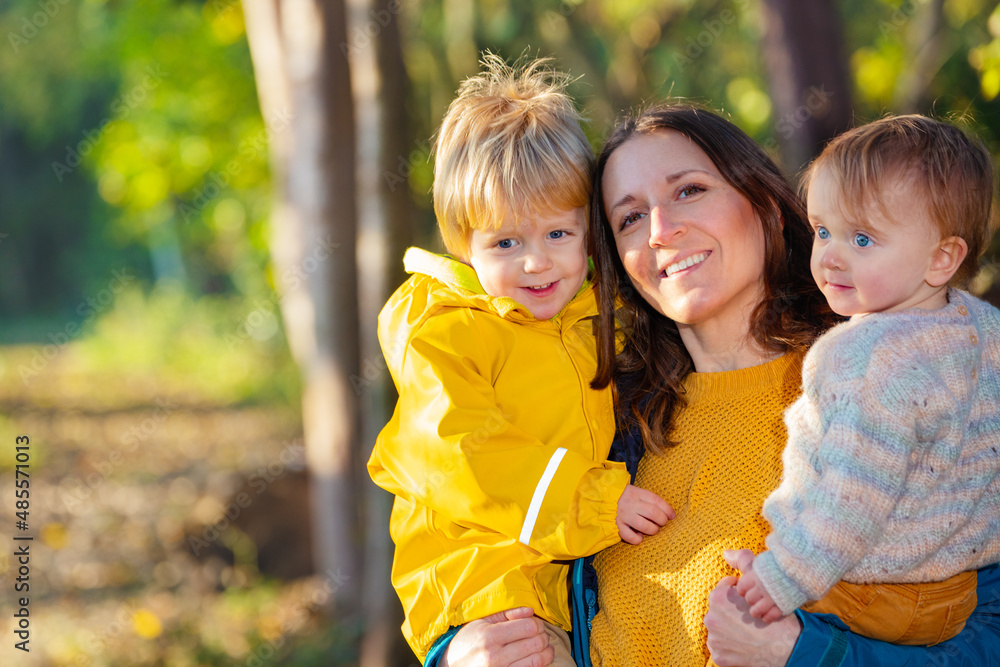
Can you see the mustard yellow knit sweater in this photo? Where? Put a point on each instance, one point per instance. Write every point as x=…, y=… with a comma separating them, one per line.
x=653, y=597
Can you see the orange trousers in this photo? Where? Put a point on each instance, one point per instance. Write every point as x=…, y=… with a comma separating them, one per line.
x=921, y=614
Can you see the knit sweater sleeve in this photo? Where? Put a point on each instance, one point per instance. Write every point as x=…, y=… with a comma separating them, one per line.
x=851, y=437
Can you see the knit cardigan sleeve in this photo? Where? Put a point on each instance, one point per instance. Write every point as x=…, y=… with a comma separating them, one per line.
x=852, y=434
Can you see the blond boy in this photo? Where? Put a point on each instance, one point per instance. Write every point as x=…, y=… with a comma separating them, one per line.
x=496, y=450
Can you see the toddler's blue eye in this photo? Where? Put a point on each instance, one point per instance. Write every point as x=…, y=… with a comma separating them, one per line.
x=862, y=240
x=557, y=234
x=505, y=244
x=822, y=232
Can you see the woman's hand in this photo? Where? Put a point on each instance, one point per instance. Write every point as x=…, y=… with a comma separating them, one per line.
x=512, y=638
x=735, y=638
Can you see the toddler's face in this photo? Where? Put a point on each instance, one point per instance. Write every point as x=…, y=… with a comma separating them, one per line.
x=540, y=261
x=864, y=271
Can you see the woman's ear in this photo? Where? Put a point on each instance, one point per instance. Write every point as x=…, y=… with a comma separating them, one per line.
x=948, y=256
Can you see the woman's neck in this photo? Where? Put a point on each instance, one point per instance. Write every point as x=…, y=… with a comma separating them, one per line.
x=714, y=349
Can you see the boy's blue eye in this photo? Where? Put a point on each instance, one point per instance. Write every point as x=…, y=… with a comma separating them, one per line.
x=822, y=233
x=505, y=244
x=862, y=240
x=557, y=234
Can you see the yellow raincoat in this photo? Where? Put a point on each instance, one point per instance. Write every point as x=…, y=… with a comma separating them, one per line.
x=495, y=452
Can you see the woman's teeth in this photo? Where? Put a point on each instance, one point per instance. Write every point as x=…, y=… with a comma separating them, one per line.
x=685, y=263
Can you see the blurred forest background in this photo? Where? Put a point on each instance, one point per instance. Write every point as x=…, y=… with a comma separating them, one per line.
x=203, y=205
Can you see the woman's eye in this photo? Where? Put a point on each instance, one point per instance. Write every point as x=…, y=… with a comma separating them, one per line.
x=557, y=234
x=862, y=240
x=689, y=190
x=505, y=244
x=822, y=233
x=629, y=219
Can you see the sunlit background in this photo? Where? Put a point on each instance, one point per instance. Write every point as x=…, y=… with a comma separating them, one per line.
x=142, y=346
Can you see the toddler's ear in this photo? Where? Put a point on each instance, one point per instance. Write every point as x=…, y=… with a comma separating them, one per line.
x=950, y=254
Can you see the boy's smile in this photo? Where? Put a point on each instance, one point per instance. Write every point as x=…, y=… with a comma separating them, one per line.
x=539, y=260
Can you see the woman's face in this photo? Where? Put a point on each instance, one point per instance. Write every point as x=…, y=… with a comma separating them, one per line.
x=691, y=243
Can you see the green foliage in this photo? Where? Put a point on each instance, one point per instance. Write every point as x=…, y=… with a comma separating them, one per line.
x=153, y=152
x=210, y=349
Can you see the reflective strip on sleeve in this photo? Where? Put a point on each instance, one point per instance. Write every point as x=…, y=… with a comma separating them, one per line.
x=539, y=496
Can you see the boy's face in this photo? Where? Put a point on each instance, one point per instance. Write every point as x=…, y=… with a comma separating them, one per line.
x=540, y=262
x=864, y=271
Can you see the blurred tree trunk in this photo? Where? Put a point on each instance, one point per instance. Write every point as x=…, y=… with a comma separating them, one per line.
x=925, y=52
x=303, y=77
x=386, y=153
x=807, y=72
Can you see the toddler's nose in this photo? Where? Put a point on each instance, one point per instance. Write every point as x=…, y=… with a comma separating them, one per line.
x=832, y=259
x=537, y=262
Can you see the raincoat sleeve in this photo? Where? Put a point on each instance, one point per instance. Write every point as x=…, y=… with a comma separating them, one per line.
x=450, y=448
x=827, y=642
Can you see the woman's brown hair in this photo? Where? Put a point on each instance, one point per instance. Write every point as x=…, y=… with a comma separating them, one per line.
x=648, y=372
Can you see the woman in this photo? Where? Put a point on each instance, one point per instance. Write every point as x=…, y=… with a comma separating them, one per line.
x=702, y=243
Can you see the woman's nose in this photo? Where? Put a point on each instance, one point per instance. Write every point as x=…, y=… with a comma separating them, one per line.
x=662, y=227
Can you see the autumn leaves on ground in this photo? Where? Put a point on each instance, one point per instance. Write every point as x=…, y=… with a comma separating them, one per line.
x=168, y=497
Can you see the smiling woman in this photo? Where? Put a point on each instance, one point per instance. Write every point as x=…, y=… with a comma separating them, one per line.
x=704, y=245
x=690, y=242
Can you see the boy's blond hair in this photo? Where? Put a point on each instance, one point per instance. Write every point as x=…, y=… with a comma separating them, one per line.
x=511, y=142
x=951, y=171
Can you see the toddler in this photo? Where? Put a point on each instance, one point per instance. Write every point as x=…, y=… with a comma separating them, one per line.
x=892, y=471
x=496, y=449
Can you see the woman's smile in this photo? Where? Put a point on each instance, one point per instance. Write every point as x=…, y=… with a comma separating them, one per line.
x=688, y=262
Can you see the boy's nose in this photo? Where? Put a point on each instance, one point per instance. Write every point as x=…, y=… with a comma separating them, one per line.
x=662, y=227
x=537, y=261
